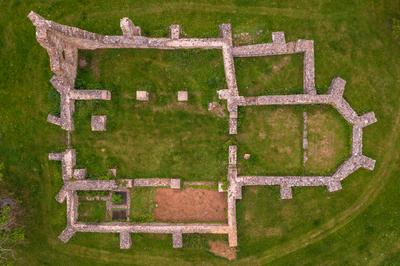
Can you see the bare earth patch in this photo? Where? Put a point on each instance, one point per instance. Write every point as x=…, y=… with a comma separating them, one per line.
x=190, y=205
x=221, y=249
x=284, y=61
x=217, y=109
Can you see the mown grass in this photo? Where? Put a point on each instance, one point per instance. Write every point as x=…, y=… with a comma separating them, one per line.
x=142, y=205
x=92, y=211
x=354, y=40
x=162, y=137
x=329, y=140
x=273, y=136
x=272, y=75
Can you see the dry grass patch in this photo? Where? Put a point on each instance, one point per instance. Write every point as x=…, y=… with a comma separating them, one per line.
x=328, y=140
x=221, y=249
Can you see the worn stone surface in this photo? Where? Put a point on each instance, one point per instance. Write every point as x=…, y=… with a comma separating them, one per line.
x=176, y=183
x=175, y=31
x=80, y=173
x=125, y=240
x=182, y=96
x=68, y=161
x=98, y=122
x=129, y=30
x=142, y=96
x=305, y=138
x=177, y=240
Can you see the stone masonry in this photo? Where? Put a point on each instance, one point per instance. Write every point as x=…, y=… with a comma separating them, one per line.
x=98, y=122
x=62, y=44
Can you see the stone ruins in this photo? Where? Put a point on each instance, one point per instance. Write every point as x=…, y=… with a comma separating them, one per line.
x=62, y=44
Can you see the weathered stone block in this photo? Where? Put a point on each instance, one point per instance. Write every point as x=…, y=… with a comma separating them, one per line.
x=142, y=96
x=182, y=96
x=278, y=37
x=177, y=240
x=175, y=31
x=80, y=173
x=99, y=122
x=175, y=183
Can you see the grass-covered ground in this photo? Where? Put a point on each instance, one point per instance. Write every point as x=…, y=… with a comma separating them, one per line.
x=355, y=40
x=273, y=136
x=92, y=211
x=142, y=205
x=162, y=137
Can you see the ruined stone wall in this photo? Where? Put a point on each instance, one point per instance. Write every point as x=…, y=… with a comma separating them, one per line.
x=62, y=44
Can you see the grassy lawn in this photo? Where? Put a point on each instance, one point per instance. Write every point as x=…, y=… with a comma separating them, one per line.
x=329, y=140
x=142, y=205
x=354, y=40
x=271, y=75
x=92, y=211
x=159, y=138
x=273, y=137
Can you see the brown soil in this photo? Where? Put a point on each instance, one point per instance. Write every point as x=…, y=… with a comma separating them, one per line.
x=95, y=65
x=82, y=63
x=217, y=109
x=190, y=205
x=281, y=64
x=222, y=249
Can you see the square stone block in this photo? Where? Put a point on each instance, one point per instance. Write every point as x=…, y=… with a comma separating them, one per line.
x=142, y=96
x=99, y=122
x=182, y=96
x=175, y=183
x=278, y=37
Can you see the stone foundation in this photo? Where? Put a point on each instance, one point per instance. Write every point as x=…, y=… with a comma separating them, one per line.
x=62, y=44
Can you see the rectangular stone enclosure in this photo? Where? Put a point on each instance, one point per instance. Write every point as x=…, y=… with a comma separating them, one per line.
x=62, y=44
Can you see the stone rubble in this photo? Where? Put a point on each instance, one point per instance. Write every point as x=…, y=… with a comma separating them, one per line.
x=80, y=173
x=62, y=44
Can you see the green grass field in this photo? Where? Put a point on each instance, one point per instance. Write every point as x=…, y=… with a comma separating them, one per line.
x=92, y=211
x=353, y=40
x=142, y=205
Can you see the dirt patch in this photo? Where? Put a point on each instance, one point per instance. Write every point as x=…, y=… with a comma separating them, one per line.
x=217, y=109
x=95, y=66
x=241, y=38
x=11, y=205
x=190, y=205
x=82, y=63
x=221, y=249
x=280, y=64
